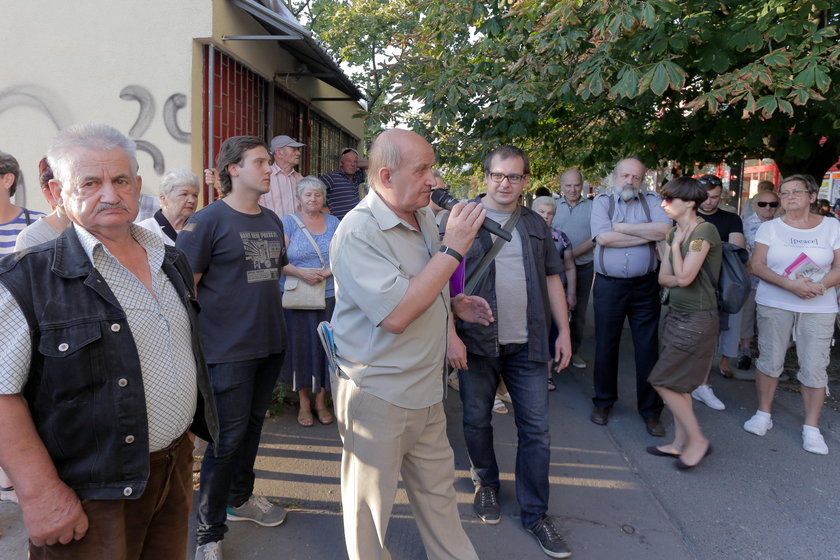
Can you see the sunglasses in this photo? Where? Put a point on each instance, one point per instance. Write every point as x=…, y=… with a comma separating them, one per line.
x=762, y=204
x=711, y=180
x=669, y=199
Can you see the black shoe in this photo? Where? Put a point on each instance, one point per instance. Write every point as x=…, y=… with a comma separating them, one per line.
x=486, y=505
x=549, y=538
x=600, y=415
x=744, y=362
x=655, y=427
x=684, y=467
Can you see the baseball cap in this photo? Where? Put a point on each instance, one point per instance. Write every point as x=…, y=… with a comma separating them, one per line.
x=282, y=141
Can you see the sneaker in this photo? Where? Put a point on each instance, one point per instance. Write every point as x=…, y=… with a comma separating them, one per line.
x=259, y=510
x=744, y=362
x=758, y=425
x=578, y=362
x=549, y=538
x=813, y=442
x=499, y=407
x=705, y=395
x=486, y=505
x=209, y=551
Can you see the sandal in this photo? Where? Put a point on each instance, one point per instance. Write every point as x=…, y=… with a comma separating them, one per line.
x=324, y=416
x=551, y=385
x=727, y=373
x=305, y=418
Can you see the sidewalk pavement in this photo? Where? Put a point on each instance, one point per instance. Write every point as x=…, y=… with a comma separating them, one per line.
x=754, y=497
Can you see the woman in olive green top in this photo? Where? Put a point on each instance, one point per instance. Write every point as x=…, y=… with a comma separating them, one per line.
x=690, y=329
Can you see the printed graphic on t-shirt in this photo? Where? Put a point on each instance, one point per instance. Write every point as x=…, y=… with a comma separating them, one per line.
x=264, y=250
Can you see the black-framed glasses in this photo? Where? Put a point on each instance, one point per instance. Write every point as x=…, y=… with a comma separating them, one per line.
x=763, y=203
x=710, y=180
x=513, y=178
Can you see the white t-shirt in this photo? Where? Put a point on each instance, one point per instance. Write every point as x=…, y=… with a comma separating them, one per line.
x=785, y=245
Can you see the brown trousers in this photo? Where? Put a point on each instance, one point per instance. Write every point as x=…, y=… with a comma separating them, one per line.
x=152, y=527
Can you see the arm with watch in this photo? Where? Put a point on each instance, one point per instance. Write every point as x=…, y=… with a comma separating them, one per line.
x=464, y=221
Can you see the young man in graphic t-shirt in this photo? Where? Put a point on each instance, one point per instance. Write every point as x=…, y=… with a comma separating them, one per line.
x=236, y=249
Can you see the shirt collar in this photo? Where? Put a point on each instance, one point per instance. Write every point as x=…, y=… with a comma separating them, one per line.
x=277, y=170
x=151, y=243
x=385, y=217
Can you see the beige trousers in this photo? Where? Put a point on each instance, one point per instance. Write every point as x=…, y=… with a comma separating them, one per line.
x=381, y=442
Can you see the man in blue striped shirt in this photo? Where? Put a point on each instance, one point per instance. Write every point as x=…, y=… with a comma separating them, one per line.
x=343, y=184
x=12, y=218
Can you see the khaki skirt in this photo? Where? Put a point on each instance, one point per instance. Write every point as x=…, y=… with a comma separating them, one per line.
x=687, y=348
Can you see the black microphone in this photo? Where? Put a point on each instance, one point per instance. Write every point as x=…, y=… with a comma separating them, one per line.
x=445, y=200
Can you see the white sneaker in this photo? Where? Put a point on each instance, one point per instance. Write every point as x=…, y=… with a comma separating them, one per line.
x=504, y=397
x=209, y=551
x=813, y=442
x=499, y=407
x=705, y=395
x=758, y=425
x=578, y=362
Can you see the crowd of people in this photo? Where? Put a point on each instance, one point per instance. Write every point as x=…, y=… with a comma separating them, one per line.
x=124, y=342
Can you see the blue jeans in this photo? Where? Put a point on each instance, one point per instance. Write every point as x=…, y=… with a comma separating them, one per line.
x=637, y=300
x=527, y=383
x=243, y=393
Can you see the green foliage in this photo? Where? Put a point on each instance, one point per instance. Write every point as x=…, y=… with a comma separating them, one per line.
x=584, y=83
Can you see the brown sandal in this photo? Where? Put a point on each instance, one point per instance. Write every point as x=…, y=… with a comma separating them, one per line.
x=324, y=416
x=305, y=418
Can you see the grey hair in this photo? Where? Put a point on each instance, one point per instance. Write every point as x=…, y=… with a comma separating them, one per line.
x=93, y=136
x=177, y=178
x=612, y=177
x=807, y=180
x=543, y=201
x=384, y=154
x=310, y=182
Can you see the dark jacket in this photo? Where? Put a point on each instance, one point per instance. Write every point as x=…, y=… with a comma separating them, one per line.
x=540, y=259
x=85, y=388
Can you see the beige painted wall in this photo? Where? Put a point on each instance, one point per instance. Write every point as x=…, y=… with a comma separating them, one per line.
x=134, y=65
x=67, y=62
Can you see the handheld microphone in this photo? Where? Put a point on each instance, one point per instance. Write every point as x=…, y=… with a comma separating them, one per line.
x=446, y=200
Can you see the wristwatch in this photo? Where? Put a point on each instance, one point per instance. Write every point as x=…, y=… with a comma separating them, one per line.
x=451, y=252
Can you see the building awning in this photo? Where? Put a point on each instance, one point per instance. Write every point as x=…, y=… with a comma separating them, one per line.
x=282, y=26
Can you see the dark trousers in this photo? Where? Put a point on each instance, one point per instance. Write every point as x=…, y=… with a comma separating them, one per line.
x=637, y=300
x=243, y=393
x=583, y=288
x=525, y=381
x=152, y=527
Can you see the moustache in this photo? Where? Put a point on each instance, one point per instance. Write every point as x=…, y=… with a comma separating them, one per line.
x=108, y=206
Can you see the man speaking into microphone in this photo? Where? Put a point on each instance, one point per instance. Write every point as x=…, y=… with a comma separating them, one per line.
x=522, y=285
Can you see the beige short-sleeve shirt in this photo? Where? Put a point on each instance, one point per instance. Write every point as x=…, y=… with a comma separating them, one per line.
x=373, y=256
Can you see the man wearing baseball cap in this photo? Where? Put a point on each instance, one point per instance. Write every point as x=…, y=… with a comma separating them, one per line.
x=284, y=179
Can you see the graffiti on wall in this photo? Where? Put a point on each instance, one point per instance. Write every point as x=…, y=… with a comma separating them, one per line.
x=48, y=102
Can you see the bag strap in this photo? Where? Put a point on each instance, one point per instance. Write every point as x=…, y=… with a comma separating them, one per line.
x=27, y=217
x=479, y=271
x=303, y=228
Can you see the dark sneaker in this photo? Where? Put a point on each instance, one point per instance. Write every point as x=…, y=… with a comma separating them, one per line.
x=259, y=510
x=744, y=362
x=549, y=538
x=486, y=505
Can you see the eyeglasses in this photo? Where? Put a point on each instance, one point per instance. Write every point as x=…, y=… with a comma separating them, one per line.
x=669, y=199
x=762, y=204
x=796, y=192
x=513, y=178
x=710, y=180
